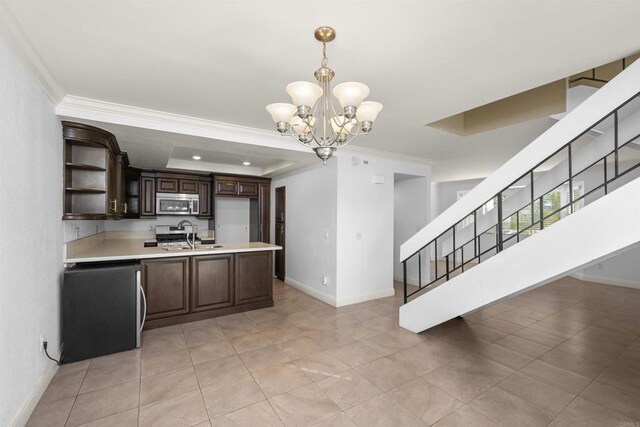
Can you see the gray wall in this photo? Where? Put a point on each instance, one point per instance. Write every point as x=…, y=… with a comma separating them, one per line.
x=32, y=235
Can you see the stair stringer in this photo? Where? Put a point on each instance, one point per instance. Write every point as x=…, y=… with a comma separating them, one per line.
x=600, y=230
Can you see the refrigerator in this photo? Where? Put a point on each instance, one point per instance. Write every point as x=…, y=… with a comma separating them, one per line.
x=103, y=310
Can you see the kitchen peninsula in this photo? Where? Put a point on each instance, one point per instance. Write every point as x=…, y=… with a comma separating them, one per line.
x=184, y=285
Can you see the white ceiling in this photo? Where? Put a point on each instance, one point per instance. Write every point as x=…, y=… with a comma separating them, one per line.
x=424, y=60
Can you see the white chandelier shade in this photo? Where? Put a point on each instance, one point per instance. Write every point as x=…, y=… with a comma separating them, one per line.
x=350, y=94
x=368, y=111
x=281, y=112
x=313, y=120
x=304, y=93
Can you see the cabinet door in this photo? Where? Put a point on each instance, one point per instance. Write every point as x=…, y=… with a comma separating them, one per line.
x=166, y=286
x=253, y=277
x=112, y=187
x=226, y=187
x=167, y=185
x=204, y=194
x=264, y=214
x=147, y=196
x=120, y=187
x=247, y=189
x=211, y=282
x=280, y=255
x=188, y=186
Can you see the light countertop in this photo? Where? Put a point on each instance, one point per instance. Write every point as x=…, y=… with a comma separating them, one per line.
x=102, y=248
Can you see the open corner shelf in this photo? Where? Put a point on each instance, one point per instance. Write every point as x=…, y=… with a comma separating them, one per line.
x=80, y=166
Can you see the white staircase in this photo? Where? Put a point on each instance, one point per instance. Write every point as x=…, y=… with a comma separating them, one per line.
x=601, y=229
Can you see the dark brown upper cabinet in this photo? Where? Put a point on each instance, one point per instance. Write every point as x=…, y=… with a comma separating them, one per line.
x=247, y=189
x=226, y=187
x=188, y=186
x=90, y=172
x=167, y=185
x=264, y=208
x=206, y=198
x=147, y=194
x=131, y=193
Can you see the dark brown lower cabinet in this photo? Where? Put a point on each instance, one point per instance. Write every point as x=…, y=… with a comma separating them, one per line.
x=166, y=286
x=253, y=277
x=190, y=288
x=212, y=282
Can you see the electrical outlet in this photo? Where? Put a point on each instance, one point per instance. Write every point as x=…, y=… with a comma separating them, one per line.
x=41, y=343
x=77, y=232
x=325, y=280
x=151, y=228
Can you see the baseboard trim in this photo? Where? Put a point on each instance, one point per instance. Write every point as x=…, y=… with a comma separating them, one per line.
x=29, y=405
x=311, y=291
x=355, y=299
x=606, y=280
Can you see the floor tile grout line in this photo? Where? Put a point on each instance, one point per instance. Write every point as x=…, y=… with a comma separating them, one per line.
x=78, y=393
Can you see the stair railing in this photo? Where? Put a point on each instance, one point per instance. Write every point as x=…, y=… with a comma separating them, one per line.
x=538, y=213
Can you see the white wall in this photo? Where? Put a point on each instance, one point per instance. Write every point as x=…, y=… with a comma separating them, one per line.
x=32, y=235
x=232, y=220
x=311, y=214
x=365, y=243
x=410, y=215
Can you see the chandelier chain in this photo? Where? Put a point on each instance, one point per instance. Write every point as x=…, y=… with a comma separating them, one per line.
x=325, y=60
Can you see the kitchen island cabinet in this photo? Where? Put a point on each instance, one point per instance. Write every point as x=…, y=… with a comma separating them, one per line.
x=166, y=286
x=212, y=282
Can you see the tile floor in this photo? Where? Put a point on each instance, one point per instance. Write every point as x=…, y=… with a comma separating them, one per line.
x=566, y=354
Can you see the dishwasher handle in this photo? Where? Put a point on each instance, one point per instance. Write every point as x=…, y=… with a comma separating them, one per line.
x=144, y=300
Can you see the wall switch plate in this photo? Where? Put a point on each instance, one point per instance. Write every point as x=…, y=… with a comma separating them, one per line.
x=41, y=343
x=358, y=235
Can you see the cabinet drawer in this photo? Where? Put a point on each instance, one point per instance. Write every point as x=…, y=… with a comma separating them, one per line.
x=167, y=185
x=188, y=186
x=247, y=188
x=226, y=188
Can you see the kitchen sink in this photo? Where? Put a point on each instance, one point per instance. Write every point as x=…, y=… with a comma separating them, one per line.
x=187, y=248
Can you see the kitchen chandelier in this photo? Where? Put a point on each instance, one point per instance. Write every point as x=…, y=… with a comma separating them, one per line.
x=316, y=124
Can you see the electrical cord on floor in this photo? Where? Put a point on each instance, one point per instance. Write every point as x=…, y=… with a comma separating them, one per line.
x=44, y=346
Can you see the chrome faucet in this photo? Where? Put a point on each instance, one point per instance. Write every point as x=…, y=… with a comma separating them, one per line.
x=181, y=224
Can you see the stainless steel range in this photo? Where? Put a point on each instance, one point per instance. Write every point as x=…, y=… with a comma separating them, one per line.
x=172, y=235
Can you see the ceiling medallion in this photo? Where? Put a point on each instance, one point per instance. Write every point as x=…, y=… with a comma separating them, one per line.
x=318, y=125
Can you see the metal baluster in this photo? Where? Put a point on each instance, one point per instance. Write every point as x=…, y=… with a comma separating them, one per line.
x=404, y=270
x=606, y=190
x=615, y=140
x=499, y=222
x=517, y=226
x=541, y=212
x=435, y=256
x=447, y=261
x=420, y=269
x=453, y=232
x=475, y=233
x=570, y=180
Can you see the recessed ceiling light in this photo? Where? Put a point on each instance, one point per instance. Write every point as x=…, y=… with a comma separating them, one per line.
x=246, y=163
x=196, y=157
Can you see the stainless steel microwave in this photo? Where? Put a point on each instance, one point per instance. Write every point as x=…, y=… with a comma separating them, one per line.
x=177, y=204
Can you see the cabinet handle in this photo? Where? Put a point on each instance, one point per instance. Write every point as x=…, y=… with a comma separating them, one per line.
x=115, y=205
x=124, y=207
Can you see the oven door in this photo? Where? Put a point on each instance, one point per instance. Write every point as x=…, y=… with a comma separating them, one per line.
x=174, y=204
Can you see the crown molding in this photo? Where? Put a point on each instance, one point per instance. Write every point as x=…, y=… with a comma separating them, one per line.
x=16, y=37
x=109, y=112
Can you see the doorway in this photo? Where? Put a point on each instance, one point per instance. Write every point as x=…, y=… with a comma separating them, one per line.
x=281, y=206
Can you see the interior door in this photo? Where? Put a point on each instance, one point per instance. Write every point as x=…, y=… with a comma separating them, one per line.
x=280, y=237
